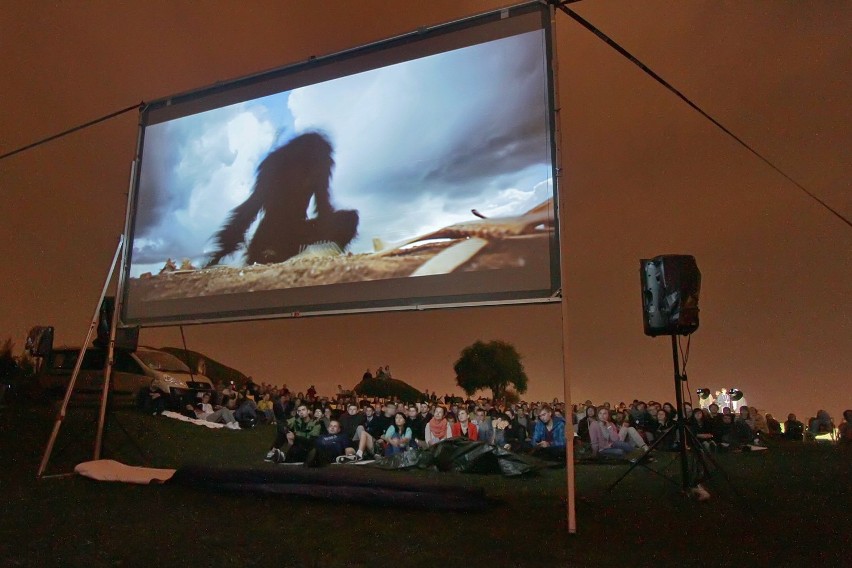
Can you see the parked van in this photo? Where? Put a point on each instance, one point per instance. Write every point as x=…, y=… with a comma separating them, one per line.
x=131, y=373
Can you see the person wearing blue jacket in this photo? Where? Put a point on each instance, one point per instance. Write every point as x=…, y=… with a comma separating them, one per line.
x=549, y=435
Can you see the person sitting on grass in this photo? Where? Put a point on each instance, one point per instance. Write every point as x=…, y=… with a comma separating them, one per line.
x=331, y=446
x=773, y=426
x=154, y=399
x=464, y=428
x=265, y=406
x=398, y=436
x=845, y=429
x=584, y=423
x=302, y=432
x=418, y=425
x=352, y=422
x=607, y=438
x=281, y=409
x=664, y=423
x=518, y=430
x=701, y=427
x=320, y=418
x=793, y=429
x=821, y=424
x=643, y=421
x=502, y=426
x=438, y=429
x=220, y=415
x=549, y=435
x=713, y=413
x=484, y=426
x=246, y=410
x=732, y=434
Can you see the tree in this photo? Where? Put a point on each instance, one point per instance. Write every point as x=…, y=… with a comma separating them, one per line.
x=494, y=365
x=8, y=365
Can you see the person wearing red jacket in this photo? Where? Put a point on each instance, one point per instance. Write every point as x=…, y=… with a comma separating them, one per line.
x=464, y=428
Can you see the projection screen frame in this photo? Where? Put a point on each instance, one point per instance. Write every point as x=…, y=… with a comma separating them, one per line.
x=226, y=93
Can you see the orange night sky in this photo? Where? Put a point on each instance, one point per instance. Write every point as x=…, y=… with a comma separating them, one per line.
x=643, y=174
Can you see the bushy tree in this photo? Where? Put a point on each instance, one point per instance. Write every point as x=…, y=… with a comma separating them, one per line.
x=495, y=365
x=8, y=365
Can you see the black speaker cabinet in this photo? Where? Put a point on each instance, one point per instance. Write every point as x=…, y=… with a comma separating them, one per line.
x=670, y=286
x=126, y=338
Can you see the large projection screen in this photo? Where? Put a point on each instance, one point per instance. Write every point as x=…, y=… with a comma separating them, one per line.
x=411, y=173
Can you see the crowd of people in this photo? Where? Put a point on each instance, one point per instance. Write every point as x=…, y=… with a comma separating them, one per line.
x=316, y=429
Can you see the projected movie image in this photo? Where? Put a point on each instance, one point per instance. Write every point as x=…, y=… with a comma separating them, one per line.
x=394, y=179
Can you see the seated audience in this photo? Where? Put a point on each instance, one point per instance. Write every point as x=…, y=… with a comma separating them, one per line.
x=822, y=424
x=438, y=428
x=246, y=409
x=793, y=429
x=417, y=422
x=584, y=423
x=701, y=427
x=265, y=406
x=664, y=423
x=845, y=429
x=773, y=426
x=713, y=413
x=154, y=399
x=302, y=432
x=221, y=415
x=643, y=422
x=353, y=423
x=330, y=446
x=398, y=436
x=515, y=434
x=484, y=426
x=464, y=428
x=606, y=438
x=549, y=435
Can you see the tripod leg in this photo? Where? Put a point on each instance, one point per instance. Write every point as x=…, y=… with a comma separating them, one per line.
x=644, y=458
x=704, y=456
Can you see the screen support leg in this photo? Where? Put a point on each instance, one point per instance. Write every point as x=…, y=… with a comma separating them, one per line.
x=60, y=417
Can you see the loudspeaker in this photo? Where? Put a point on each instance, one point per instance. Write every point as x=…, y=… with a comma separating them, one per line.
x=40, y=341
x=670, y=286
x=126, y=338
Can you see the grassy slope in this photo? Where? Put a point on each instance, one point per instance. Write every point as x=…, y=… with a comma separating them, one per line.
x=645, y=521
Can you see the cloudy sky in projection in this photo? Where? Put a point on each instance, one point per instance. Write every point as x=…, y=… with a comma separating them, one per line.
x=417, y=145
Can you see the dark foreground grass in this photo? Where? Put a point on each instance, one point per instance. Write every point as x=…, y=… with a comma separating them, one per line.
x=794, y=510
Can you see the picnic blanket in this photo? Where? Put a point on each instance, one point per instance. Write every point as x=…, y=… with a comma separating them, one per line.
x=196, y=421
x=111, y=470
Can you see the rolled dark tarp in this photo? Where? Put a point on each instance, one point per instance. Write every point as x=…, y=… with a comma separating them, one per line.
x=340, y=484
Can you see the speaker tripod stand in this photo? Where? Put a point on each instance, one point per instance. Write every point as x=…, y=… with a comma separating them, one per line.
x=688, y=441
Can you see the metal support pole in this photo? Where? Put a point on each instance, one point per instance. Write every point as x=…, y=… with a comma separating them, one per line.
x=116, y=317
x=681, y=421
x=60, y=417
x=561, y=208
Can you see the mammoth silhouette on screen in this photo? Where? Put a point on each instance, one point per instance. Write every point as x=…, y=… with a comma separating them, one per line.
x=286, y=180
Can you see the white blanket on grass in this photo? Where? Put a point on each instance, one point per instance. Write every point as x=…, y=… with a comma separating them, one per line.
x=111, y=470
x=175, y=415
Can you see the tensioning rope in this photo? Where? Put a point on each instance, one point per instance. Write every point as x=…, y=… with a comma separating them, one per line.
x=70, y=130
x=632, y=58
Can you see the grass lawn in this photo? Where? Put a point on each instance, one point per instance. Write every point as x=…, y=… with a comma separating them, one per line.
x=794, y=511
